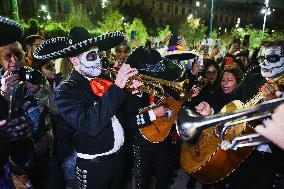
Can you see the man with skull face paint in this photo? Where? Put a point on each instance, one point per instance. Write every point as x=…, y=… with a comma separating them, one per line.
x=90, y=106
x=259, y=170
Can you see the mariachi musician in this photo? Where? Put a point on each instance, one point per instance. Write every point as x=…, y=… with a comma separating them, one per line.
x=149, y=157
x=90, y=105
x=259, y=170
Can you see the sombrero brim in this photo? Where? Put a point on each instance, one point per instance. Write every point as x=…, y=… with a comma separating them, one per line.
x=173, y=71
x=61, y=47
x=10, y=31
x=177, y=55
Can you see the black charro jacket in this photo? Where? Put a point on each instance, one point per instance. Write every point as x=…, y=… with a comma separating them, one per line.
x=87, y=115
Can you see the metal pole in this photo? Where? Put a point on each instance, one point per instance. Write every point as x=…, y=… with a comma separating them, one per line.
x=265, y=15
x=15, y=10
x=211, y=17
x=264, y=21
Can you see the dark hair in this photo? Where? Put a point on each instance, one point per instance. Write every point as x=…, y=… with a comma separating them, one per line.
x=31, y=39
x=235, y=70
x=124, y=43
x=207, y=63
x=275, y=43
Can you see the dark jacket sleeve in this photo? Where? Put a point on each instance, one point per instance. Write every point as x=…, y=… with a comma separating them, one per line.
x=84, y=116
x=137, y=121
x=134, y=119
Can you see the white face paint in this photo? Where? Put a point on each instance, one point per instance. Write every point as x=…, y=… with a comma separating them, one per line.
x=90, y=63
x=273, y=64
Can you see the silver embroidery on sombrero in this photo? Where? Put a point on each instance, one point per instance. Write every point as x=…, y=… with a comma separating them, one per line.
x=68, y=42
x=154, y=68
x=11, y=22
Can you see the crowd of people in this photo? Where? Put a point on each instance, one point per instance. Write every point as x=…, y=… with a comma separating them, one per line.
x=86, y=130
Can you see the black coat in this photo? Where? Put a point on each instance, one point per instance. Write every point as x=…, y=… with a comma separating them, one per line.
x=87, y=115
x=134, y=119
x=248, y=87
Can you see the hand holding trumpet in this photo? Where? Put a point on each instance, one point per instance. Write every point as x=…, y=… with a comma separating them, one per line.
x=123, y=75
x=269, y=91
x=273, y=129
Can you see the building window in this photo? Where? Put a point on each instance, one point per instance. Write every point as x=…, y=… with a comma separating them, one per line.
x=176, y=10
x=168, y=8
x=161, y=22
x=183, y=11
x=221, y=18
x=161, y=6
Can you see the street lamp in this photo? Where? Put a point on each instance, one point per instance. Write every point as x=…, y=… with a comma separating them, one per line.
x=190, y=16
x=266, y=11
x=104, y=2
x=238, y=22
x=197, y=3
x=43, y=8
x=43, y=13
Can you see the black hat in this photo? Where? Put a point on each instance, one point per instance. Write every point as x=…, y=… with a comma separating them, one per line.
x=149, y=62
x=10, y=31
x=78, y=41
x=177, y=52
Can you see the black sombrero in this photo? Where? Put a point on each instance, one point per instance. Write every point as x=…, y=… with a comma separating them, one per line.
x=149, y=62
x=176, y=52
x=10, y=31
x=78, y=41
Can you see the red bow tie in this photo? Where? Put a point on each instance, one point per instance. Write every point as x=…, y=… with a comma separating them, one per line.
x=100, y=86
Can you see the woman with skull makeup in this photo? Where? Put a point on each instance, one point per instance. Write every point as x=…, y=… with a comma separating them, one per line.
x=262, y=166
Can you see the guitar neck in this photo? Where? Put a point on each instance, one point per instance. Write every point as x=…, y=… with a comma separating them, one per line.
x=256, y=99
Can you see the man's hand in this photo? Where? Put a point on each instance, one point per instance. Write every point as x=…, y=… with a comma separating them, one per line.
x=195, y=90
x=196, y=68
x=160, y=111
x=15, y=129
x=124, y=73
x=273, y=129
x=269, y=90
x=8, y=80
x=234, y=48
x=203, y=109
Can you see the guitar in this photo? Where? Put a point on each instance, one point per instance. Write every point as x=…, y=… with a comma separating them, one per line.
x=160, y=128
x=206, y=160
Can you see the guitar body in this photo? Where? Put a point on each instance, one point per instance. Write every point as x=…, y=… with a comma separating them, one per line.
x=160, y=128
x=206, y=160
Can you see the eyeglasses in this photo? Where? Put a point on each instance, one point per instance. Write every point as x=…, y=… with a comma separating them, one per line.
x=17, y=53
x=271, y=58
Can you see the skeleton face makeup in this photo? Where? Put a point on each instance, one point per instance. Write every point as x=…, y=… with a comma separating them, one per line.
x=273, y=62
x=90, y=63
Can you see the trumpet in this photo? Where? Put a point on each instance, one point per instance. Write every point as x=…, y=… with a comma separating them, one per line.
x=190, y=126
x=155, y=86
